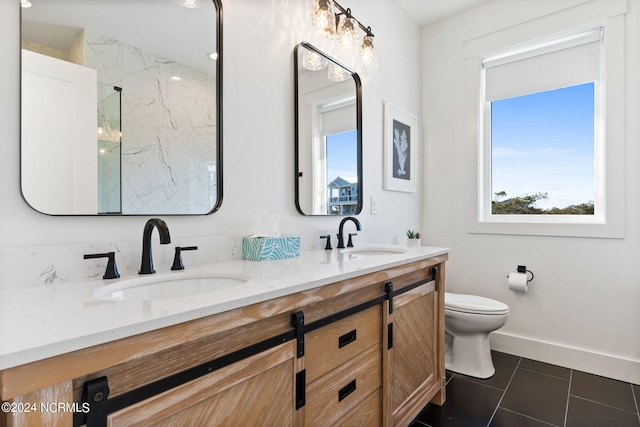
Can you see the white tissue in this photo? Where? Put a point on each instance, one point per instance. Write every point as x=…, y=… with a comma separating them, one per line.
x=518, y=282
x=270, y=227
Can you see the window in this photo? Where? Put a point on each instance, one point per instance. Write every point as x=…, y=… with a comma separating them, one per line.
x=574, y=56
x=542, y=153
x=542, y=139
x=341, y=173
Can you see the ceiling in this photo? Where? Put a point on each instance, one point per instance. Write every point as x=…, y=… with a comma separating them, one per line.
x=169, y=27
x=427, y=12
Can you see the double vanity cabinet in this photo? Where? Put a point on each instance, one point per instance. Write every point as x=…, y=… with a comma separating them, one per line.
x=363, y=350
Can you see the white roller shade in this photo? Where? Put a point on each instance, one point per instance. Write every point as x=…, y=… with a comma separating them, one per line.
x=338, y=120
x=564, y=62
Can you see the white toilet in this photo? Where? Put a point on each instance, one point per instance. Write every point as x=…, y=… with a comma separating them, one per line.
x=468, y=321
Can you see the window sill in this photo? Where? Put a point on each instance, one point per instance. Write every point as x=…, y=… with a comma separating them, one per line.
x=548, y=228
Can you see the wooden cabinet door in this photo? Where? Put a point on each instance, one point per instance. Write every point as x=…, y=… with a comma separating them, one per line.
x=414, y=362
x=257, y=391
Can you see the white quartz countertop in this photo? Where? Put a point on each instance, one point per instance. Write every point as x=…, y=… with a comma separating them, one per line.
x=42, y=321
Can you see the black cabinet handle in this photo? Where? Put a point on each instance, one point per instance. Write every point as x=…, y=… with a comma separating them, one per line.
x=347, y=338
x=346, y=390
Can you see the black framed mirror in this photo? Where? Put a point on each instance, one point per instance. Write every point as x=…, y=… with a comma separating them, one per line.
x=121, y=107
x=328, y=135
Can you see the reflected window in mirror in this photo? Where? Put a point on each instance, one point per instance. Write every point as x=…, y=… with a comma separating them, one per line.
x=328, y=135
x=342, y=176
x=119, y=115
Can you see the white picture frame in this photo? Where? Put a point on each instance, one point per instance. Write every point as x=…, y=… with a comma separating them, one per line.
x=400, y=149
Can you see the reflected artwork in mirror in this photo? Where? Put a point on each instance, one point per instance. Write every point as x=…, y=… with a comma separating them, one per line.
x=328, y=98
x=121, y=107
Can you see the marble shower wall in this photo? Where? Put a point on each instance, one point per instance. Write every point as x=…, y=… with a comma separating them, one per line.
x=168, y=127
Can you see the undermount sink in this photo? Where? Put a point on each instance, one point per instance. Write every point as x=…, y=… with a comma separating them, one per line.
x=166, y=286
x=375, y=250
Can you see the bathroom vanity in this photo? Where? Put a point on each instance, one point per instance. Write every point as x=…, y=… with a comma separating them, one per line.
x=328, y=338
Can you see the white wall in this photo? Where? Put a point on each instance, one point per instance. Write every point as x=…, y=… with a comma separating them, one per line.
x=259, y=38
x=583, y=308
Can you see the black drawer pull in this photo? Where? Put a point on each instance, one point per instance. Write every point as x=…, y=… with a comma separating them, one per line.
x=346, y=390
x=347, y=338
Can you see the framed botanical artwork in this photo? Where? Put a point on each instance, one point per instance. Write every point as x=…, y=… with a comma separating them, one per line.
x=400, y=143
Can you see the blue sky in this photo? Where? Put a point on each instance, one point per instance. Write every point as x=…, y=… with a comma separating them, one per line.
x=341, y=155
x=544, y=143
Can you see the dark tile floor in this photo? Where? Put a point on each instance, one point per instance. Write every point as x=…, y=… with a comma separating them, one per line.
x=526, y=393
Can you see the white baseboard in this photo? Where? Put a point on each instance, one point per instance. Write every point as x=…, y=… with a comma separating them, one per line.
x=605, y=365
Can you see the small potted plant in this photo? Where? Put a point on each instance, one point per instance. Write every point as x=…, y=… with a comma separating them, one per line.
x=413, y=238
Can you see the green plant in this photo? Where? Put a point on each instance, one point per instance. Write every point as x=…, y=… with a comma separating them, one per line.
x=526, y=204
x=413, y=234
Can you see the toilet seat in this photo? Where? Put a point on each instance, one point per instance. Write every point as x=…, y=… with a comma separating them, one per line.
x=474, y=304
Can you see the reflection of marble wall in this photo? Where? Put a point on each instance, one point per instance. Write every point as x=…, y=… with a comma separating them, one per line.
x=42, y=49
x=73, y=53
x=168, y=127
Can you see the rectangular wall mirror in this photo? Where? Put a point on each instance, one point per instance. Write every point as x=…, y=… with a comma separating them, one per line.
x=328, y=135
x=120, y=107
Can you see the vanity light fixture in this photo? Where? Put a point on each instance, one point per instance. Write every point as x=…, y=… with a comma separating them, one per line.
x=191, y=4
x=347, y=36
x=331, y=20
x=369, y=55
x=323, y=18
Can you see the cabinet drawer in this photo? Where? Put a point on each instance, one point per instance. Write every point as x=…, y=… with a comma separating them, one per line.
x=365, y=414
x=334, y=344
x=338, y=392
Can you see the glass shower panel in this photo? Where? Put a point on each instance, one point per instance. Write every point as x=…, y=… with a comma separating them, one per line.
x=109, y=153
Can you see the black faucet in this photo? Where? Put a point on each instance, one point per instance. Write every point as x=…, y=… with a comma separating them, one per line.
x=112, y=269
x=177, y=258
x=147, y=260
x=340, y=237
x=328, y=245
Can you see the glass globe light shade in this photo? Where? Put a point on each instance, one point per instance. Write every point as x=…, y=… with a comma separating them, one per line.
x=323, y=19
x=336, y=73
x=313, y=61
x=369, y=55
x=347, y=42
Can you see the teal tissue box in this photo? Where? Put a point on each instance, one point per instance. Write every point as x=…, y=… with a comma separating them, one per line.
x=270, y=248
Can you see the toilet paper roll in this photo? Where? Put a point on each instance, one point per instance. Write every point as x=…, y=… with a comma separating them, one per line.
x=518, y=282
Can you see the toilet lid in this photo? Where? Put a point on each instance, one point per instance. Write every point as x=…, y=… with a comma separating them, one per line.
x=474, y=304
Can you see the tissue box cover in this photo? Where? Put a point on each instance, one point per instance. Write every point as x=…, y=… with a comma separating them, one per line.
x=269, y=248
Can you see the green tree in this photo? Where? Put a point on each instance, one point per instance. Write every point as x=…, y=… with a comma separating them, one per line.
x=500, y=194
x=521, y=205
x=581, y=209
x=525, y=205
